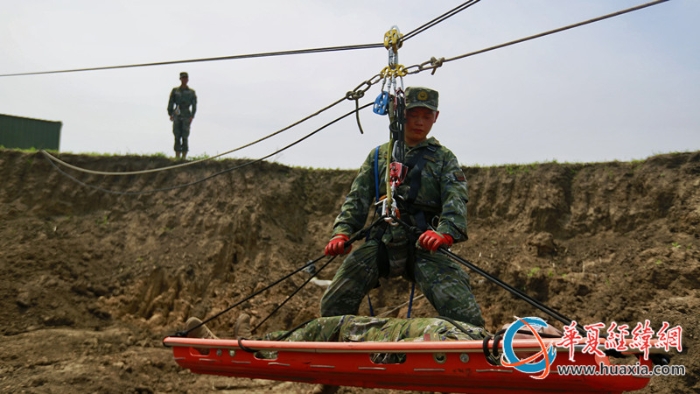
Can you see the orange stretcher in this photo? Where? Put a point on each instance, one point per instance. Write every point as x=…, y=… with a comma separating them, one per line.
x=442, y=366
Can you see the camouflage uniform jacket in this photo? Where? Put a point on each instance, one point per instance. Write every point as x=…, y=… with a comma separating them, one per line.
x=443, y=191
x=181, y=99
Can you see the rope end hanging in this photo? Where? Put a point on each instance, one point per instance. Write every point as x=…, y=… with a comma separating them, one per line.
x=356, y=95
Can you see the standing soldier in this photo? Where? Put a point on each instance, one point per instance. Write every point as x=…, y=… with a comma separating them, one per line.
x=181, y=108
x=432, y=198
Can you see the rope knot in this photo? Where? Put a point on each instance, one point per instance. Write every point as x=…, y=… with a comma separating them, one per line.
x=354, y=94
x=436, y=63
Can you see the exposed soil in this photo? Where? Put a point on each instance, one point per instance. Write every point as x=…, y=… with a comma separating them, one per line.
x=92, y=281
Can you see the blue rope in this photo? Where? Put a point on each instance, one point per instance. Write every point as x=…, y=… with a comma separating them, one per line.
x=410, y=301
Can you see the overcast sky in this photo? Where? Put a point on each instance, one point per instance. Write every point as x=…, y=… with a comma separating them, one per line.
x=620, y=89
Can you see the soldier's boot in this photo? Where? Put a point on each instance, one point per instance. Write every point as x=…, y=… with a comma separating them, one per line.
x=177, y=154
x=200, y=332
x=242, y=327
x=184, y=155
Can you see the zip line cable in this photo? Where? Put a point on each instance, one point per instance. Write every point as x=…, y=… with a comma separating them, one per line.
x=208, y=59
x=407, y=36
x=600, y=18
x=134, y=193
x=248, y=56
x=439, y=19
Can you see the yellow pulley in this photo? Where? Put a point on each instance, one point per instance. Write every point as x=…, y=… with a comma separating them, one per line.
x=392, y=39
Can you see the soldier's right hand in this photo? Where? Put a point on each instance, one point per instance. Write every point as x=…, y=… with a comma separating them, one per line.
x=336, y=246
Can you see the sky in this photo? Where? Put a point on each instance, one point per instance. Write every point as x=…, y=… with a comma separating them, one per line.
x=622, y=89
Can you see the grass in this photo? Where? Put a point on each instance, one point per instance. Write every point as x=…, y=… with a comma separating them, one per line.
x=515, y=169
x=103, y=221
x=511, y=168
x=533, y=271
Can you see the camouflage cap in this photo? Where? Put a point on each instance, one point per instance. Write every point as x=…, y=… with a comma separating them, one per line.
x=183, y=75
x=421, y=97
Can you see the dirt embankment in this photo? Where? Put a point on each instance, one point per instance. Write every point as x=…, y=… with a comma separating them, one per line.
x=92, y=281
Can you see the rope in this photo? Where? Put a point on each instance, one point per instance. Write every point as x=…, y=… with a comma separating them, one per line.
x=354, y=94
x=305, y=267
x=275, y=283
x=133, y=193
x=294, y=293
x=387, y=313
x=410, y=300
x=533, y=302
x=51, y=157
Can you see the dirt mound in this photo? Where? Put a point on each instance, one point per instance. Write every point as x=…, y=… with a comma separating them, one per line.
x=92, y=280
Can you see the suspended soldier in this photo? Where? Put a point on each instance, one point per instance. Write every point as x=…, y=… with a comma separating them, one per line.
x=432, y=198
x=181, y=107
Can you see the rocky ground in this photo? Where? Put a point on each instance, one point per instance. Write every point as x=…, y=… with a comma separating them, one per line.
x=92, y=280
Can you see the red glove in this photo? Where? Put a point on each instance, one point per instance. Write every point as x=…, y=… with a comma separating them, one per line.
x=336, y=246
x=431, y=240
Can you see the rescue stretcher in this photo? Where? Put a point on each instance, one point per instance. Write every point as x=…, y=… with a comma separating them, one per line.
x=441, y=366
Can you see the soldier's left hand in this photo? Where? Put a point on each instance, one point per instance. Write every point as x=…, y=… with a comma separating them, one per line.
x=432, y=240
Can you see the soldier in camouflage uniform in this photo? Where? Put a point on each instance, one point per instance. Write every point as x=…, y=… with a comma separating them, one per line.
x=432, y=198
x=181, y=107
x=350, y=328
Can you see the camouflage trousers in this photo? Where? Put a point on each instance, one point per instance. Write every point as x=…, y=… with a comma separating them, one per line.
x=444, y=283
x=350, y=328
x=181, y=130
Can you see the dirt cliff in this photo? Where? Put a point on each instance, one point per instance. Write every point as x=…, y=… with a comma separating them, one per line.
x=92, y=280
